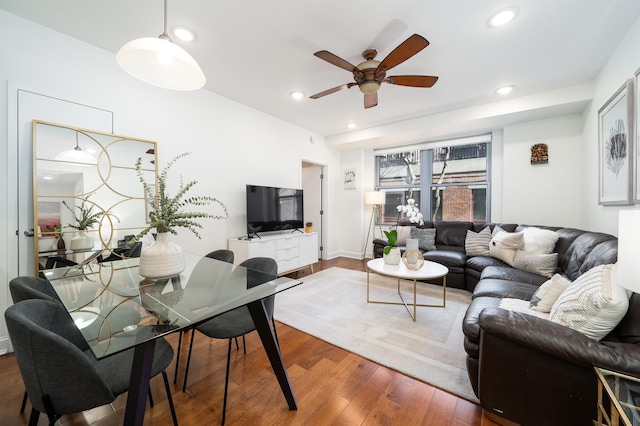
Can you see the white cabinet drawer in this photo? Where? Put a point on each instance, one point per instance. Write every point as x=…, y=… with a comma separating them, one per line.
x=287, y=265
x=286, y=243
x=287, y=253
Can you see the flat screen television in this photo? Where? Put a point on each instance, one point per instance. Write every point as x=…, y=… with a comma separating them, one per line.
x=273, y=209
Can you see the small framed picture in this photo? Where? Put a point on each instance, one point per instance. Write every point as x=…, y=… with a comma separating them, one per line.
x=616, y=147
x=349, y=178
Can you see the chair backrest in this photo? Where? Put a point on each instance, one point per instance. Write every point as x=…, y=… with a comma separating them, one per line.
x=222, y=254
x=27, y=288
x=24, y=288
x=52, y=367
x=261, y=270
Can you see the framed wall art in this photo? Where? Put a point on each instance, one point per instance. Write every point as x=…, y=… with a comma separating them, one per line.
x=616, y=148
x=349, y=178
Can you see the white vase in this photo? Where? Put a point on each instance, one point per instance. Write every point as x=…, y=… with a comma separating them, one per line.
x=82, y=241
x=393, y=258
x=162, y=259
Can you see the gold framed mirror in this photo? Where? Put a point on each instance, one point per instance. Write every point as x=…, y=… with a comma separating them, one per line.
x=88, y=199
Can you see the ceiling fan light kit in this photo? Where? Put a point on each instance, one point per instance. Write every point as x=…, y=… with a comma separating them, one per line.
x=157, y=61
x=368, y=75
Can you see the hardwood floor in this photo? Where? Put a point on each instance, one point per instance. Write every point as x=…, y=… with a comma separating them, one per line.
x=332, y=387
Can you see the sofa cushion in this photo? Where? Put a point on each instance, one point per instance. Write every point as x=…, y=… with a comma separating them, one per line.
x=594, y=304
x=538, y=263
x=452, y=233
x=519, y=305
x=503, y=245
x=511, y=274
x=478, y=263
x=426, y=238
x=583, y=253
x=477, y=243
x=503, y=288
x=448, y=258
x=538, y=240
x=548, y=293
x=470, y=323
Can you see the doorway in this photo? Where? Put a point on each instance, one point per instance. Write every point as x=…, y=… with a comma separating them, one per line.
x=313, y=185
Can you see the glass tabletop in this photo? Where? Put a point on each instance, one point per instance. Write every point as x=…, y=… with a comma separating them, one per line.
x=623, y=393
x=116, y=309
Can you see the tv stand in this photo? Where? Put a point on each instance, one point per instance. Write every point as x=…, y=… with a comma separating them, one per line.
x=298, y=230
x=291, y=250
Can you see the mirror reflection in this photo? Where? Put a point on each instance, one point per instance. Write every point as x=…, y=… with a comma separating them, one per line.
x=88, y=199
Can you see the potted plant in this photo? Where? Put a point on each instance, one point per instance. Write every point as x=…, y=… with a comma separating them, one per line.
x=308, y=227
x=167, y=212
x=391, y=252
x=84, y=218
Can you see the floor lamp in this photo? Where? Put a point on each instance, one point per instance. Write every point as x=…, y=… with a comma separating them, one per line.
x=374, y=199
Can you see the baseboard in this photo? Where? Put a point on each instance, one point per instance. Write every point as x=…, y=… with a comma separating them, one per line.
x=497, y=419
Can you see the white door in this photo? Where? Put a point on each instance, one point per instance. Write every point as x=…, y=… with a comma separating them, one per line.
x=25, y=106
x=313, y=186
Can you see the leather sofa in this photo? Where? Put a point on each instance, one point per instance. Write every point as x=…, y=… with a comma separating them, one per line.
x=528, y=370
x=464, y=271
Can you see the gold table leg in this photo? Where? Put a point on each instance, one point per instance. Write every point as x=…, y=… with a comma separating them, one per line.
x=414, y=304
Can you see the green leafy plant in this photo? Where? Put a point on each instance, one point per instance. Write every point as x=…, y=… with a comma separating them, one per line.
x=309, y=224
x=167, y=212
x=392, y=239
x=84, y=216
x=412, y=212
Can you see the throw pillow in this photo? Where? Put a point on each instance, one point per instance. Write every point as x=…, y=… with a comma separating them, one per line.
x=519, y=305
x=426, y=237
x=504, y=245
x=538, y=263
x=477, y=243
x=537, y=240
x=548, y=293
x=404, y=232
x=594, y=304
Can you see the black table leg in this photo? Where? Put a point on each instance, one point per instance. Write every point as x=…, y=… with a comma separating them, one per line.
x=139, y=384
x=261, y=321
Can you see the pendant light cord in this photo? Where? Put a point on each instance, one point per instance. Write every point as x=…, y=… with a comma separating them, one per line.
x=164, y=34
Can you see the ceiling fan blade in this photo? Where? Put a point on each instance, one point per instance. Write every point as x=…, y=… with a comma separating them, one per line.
x=333, y=90
x=404, y=51
x=335, y=60
x=370, y=100
x=412, y=80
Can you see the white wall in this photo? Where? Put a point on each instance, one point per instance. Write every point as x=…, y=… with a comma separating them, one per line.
x=543, y=194
x=232, y=145
x=622, y=65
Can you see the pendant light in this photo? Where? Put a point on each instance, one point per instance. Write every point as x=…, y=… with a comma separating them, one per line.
x=157, y=61
x=76, y=155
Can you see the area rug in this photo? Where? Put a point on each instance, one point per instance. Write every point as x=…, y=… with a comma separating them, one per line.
x=332, y=305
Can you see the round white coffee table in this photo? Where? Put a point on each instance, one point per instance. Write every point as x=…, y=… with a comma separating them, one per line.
x=428, y=271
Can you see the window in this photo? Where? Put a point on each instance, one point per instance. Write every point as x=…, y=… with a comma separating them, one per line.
x=456, y=176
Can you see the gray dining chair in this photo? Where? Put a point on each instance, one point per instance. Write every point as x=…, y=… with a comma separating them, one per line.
x=27, y=287
x=60, y=377
x=237, y=322
x=223, y=255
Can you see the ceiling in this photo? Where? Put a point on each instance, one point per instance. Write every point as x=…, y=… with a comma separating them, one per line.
x=257, y=52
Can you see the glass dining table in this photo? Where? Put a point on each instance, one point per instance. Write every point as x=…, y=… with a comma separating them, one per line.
x=116, y=310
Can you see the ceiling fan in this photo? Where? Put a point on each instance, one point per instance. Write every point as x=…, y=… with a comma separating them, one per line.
x=369, y=74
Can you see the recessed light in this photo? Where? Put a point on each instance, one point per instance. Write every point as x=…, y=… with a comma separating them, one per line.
x=504, y=90
x=183, y=33
x=352, y=125
x=47, y=177
x=297, y=95
x=503, y=17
